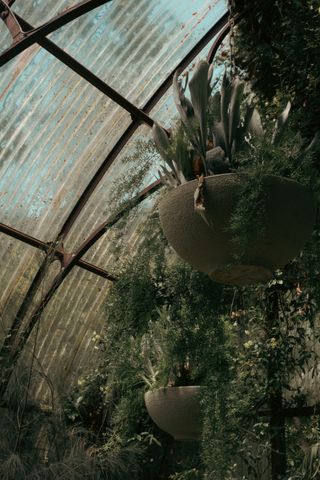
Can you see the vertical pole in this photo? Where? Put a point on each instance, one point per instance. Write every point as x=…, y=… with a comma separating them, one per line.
x=277, y=425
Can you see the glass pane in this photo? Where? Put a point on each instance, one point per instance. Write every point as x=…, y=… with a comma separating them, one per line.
x=19, y=264
x=5, y=37
x=133, y=45
x=54, y=134
x=37, y=12
x=64, y=344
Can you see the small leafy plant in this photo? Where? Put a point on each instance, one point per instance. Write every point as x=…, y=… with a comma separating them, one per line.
x=167, y=358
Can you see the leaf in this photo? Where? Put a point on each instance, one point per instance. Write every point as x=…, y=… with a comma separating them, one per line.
x=219, y=136
x=237, y=88
x=255, y=125
x=210, y=73
x=186, y=112
x=199, y=200
x=183, y=104
x=313, y=144
x=216, y=106
x=198, y=87
x=243, y=129
x=225, y=104
x=281, y=124
x=183, y=156
x=162, y=142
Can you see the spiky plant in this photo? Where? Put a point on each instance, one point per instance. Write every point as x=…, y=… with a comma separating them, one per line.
x=197, y=147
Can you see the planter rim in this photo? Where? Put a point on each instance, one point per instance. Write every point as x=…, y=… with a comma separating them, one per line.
x=234, y=174
x=182, y=387
x=176, y=410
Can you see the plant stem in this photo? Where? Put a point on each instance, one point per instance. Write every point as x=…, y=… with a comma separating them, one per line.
x=277, y=425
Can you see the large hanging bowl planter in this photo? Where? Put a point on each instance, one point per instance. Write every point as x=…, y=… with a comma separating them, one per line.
x=288, y=219
x=176, y=410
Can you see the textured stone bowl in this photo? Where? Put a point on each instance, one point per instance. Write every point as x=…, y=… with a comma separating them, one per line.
x=176, y=410
x=289, y=216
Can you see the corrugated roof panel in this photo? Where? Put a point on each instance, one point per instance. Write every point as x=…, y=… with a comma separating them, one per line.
x=64, y=340
x=134, y=45
x=38, y=12
x=54, y=134
x=5, y=37
x=63, y=128
x=19, y=263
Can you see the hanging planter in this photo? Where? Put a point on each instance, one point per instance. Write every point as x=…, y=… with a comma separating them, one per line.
x=176, y=410
x=206, y=176
x=208, y=245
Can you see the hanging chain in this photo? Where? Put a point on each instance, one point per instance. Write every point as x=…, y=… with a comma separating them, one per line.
x=231, y=38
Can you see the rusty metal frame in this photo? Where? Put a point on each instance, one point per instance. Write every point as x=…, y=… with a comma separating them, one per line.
x=11, y=21
x=290, y=412
x=57, y=252
x=32, y=36
x=215, y=46
x=138, y=116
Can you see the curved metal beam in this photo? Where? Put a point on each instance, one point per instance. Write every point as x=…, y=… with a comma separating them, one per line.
x=213, y=50
x=33, y=36
x=82, y=250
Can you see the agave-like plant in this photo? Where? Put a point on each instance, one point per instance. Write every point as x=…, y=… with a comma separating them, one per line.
x=196, y=148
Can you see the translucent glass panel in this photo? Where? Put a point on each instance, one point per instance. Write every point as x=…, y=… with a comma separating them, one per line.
x=99, y=207
x=55, y=130
x=19, y=262
x=64, y=344
x=133, y=45
x=37, y=12
x=5, y=37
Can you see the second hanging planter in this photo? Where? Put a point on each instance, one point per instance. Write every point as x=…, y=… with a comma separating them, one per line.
x=176, y=410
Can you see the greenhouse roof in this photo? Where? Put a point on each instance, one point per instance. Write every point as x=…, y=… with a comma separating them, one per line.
x=80, y=82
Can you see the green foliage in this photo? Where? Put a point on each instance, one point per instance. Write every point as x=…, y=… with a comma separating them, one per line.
x=214, y=129
x=289, y=158
x=134, y=169
x=162, y=328
x=247, y=220
x=168, y=325
x=38, y=445
x=278, y=46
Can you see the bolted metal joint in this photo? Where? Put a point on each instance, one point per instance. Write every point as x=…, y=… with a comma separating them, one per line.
x=10, y=20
